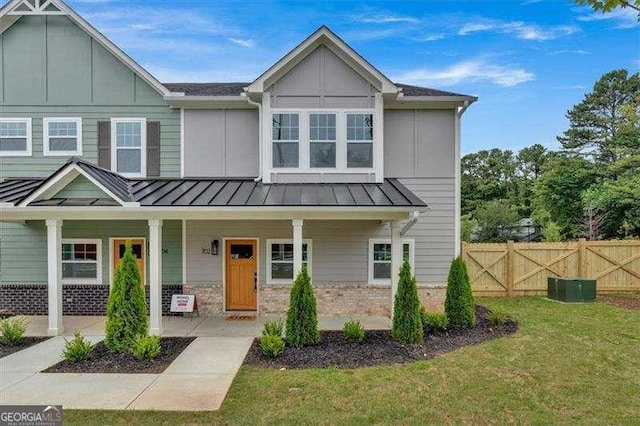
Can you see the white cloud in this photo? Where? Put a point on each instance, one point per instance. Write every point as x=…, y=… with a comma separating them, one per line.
x=383, y=18
x=519, y=29
x=528, y=2
x=233, y=73
x=474, y=71
x=431, y=37
x=570, y=52
x=474, y=28
x=242, y=42
x=622, y=18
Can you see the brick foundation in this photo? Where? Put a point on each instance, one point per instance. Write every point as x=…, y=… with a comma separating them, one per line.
x=208, y=297
x=80, y=299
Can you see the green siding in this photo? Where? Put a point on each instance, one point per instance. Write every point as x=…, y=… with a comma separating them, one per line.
x=52, y=68
x=23, y=248
x=81, y=187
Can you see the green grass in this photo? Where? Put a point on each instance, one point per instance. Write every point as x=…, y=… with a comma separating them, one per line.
x=567, y=364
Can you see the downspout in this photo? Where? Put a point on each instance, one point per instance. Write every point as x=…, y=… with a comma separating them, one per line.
x=413, y=218
x=259, y=105
x=458, y=181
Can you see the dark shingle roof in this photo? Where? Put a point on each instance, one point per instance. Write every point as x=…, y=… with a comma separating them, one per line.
x=217, y=192
x=235, y=89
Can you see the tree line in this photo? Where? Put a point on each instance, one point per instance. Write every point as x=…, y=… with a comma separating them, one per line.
x=589, y=188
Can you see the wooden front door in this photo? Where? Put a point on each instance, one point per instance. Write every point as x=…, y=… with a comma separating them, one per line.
x=139, y=250
x=241, y=259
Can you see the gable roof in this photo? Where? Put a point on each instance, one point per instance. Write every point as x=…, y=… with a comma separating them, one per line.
x=15, y=9
x=323, y=36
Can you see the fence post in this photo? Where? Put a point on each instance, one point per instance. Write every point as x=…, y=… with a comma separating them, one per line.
x=510, y=267
x=582, y=258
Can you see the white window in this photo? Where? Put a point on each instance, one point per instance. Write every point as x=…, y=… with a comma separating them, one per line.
x=380, y=259
x=82, y=261
x=322, y=140
x=129, y=146
x=359, y=140
x=286, y=137
x=15, y=137
x=280, y=260
x=62, y=136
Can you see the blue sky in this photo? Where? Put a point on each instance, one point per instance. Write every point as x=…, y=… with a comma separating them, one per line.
x=529, y=61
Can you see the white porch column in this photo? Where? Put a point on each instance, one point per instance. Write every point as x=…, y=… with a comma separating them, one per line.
x=396, y=259
x=54, y=283
x=155, y=276
x=297, y=246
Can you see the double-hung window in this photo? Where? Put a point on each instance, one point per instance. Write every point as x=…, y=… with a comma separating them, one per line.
x=82, y=261
x=286, y=138
x=62, y=136
x=380, y=259
x=15, y=137
x=280, y=260
x=359, y=140
x=129, y=146
x=322, y=140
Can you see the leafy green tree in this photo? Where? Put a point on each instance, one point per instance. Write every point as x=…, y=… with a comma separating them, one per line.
x=407, y=321
x=302, y=316
x=459, y=304
x=487, y=175
x=551, y=232
x=613, y=208
x=126, y=306
x=467, y=226
x=497, y=222
x=609, y=5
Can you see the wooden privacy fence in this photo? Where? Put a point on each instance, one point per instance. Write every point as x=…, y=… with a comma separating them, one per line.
x=521, y=269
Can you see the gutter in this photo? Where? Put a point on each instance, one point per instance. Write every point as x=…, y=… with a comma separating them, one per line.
x=413, y=218
x=260, y=159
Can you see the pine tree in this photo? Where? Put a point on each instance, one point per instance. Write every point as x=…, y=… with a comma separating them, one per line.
x=459, y=304
x=126, y=307
x=407, y=322
x=302, y=316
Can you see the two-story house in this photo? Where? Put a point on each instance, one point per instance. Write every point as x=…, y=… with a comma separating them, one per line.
x=224, y=189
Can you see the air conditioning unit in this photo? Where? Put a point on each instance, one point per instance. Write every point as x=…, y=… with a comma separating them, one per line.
x=571, y=290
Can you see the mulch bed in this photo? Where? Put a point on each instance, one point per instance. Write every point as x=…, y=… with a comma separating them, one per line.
x=104, y=361
x=27, y=342
x=621, y=302
x=378, y=347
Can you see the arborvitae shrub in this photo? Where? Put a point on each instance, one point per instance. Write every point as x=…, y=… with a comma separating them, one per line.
x=407, y=321
x=459, y=304
x=126, y=307
x=302, y=317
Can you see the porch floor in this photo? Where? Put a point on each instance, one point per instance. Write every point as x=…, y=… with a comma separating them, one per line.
x=201, y=327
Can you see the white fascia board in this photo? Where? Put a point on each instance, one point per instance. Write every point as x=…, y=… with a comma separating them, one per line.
x=336, y=45
x=207, y=102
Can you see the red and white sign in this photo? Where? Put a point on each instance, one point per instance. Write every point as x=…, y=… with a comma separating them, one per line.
x=183, y=302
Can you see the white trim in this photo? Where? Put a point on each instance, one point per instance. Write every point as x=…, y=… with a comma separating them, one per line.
x=45, y=136
x=29, y=151
x=54, y=276
x=223, y=252
x=370, y=261
x=184, y=251
x=155, y=277
x=309, y=262
x=143, y=146
x=182, y=147
x=111, y=265
x=98, y=261
x=457, y=234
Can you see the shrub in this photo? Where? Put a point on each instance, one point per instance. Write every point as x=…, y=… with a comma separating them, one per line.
x=126, y=307
x=146, y=347
x=13, y=330
x=497, y=316
x=77, y=349
x=273, y=328
x=459, y=304
x=272, y=346
x=302, y=317
x=407, y=323
x=435, y=322
x=353, y=331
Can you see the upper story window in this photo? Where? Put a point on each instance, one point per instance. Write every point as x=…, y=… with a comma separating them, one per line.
x=62, y=136
x=129, y=146
x=15, y=137
x=359, y=140
x=286, y=138
x=323, y=141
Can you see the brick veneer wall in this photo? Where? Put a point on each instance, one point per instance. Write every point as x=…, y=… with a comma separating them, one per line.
x=77, y=299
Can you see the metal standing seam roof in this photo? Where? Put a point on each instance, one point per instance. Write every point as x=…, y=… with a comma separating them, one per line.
x=218, y=192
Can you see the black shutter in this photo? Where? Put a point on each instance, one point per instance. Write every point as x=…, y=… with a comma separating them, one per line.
x=104, y=144
x=153, y=148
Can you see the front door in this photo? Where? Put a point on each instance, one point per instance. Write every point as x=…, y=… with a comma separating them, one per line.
x=138, y=248
x=241, y=275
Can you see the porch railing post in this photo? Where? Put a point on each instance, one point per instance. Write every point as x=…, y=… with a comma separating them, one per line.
x=54, y=273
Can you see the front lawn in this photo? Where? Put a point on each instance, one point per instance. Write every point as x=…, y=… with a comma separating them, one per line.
x=566, y=364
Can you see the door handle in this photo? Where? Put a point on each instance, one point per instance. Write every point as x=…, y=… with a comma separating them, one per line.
x=255, y=282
